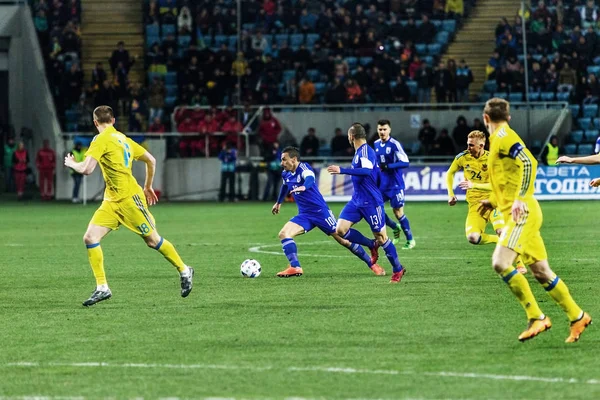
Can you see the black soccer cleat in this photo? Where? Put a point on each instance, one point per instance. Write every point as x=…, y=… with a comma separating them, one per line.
x=98, y=296
x=186, y=283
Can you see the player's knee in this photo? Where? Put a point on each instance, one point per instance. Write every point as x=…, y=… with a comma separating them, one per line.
x=151, y=241
x=341, y=231
x=474, y=238
x=282, y=234
x=499, y=265
x=88, y=238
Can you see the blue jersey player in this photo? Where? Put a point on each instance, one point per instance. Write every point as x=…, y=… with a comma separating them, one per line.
x=313, y=211
x=392, y=159
x=366, y=202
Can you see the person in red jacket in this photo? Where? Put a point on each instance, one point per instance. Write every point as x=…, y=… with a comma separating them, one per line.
x=45, y=161
x=232, y=127
x=157, y=126
x=20, y=162
x=269, y=128
x=206, y=127
x=188, y=125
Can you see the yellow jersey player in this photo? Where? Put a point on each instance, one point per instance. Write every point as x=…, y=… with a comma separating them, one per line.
x=512, y=170
x=474, y=163
x=125, y=202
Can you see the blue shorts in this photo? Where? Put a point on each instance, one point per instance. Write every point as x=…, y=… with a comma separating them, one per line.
x=325, y=221
x=395, y=196
x=375, y=216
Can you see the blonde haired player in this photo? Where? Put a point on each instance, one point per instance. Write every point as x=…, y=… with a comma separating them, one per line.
x=125, y=202
x=512, y=170
x=474, y=162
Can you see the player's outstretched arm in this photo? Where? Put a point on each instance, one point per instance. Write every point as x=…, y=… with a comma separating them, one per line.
x=85, y=167
x=588, y=160
x=150, y=162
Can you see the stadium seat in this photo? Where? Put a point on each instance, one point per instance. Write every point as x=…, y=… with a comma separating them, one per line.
x=289, y=74
x=585, y=149
x=590, y=110
x=232, y=43
x=393, y=84
x=515, y=97
x=71, y=116
x=412, y=85
x=547, y=96
x=576, y=137
x=534, y=96
x=152, y=75
x=184, y=41
x=596, y=123
x=437, y=23
x=591, y=136
x=150, y=40
x=428, y=60
x=563, y=96
x=219, y=40
x=168, y=29
x=207, y=40
x=319, y=88
x=434, y=49
x=584, y=123
x=171, y=90
x=593, y=69
x=415, y=147
x=281, y=38
x=249, y=26
x=421, y=48
x=171, y=78
x=501, y=95
x=490, y=86
x=281, y=90
x=570, y=149
x=313, y=74
x=311, y=39
x=170, y=101
x=364, y=61
x=442, y=38
x=352, y=62
x=574, y=110
x=449, y=25
x=72, y=127
x=153, y=30
x=296, y=39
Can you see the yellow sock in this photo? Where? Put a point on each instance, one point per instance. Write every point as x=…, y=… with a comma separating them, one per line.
x=167, y=249
x=96, y=258
x=559, y=292
x=485, y=238
x=522, y=291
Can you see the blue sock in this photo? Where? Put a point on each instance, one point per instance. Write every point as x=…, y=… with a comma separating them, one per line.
x=359, y=252
x=390, y=222
x=355, y=236
x=392, y=255
x=406, y=227
x=291, y=251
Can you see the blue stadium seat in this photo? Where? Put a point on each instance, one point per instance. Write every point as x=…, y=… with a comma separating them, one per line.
x=207, y=40
x=442, y=38
x=219, y=40
x=184, y=41
x=319, y=88
x=311, y=39
x=574, y=110
x=591, y=136
x=570, y=149
x=249, y=26
x=515, y=97
x=436, y=22
x=296, y=39
x=418, y=22
x=232, y=42
x=153, y=30
x=434, y=49
x=584, y=123
x=313, y=74
x=281, y=38
x=415, y=147
x=352, y=62
x=576, y=137
x=412, y=85
x=171, y=90
x=152, y=75
x=596, y=123
x=593, y=69
x=449, y=25
x=585, y=149
x=428, y=60
x=170, y=101
x=421, y=48
x=364, y=61
x=72, y=127
x=281, y=90
x=150, y=40
x=485, y=96
x=393, y=84
x=590, y=110
x=289, y=74
x=168, y=29
x=563, y=96
x=547, y=96
x=534, y=96
x=501, y=95
x=71, y=116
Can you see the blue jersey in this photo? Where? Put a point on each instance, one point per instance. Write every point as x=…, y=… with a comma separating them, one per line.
x=310, y=201
x=597, y=149
x=391, y=152
x=366, y=190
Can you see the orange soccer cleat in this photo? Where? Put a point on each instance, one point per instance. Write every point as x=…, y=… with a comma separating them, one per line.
x=290, y=271
x=377, y=270
x=375, y=253
x=397, y=276
x=535, y=327
x=578, y=327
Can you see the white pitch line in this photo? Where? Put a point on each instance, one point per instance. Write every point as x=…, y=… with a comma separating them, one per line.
x=259, y=249
x=338, y=370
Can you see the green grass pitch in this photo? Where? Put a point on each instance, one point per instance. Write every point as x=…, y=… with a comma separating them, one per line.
x=448, y=331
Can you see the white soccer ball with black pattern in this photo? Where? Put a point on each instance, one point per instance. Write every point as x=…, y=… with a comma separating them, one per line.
x=250, y=269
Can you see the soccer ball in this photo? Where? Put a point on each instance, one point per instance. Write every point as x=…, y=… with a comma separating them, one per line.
x=250, y=269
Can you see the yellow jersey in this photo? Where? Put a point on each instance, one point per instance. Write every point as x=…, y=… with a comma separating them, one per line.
x=476, y=170
x=115, y=153
x=512, y=168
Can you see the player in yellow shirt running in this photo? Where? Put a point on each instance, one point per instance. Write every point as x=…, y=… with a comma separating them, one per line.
x=512, y=176
x=474, y=162
x=125, y=202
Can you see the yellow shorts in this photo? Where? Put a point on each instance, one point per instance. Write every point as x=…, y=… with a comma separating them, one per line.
x=524, y=236
x=132, y=212
x=475, y=223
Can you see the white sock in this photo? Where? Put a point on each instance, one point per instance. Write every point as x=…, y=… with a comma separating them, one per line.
x=102, y=288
